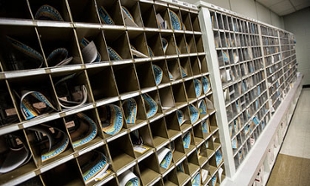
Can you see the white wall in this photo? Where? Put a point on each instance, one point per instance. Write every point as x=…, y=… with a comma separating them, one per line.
x=245, y=7
x=248, y=8
x=263, y=14
x=277, y=21
x=299, y=24
x=221, y=3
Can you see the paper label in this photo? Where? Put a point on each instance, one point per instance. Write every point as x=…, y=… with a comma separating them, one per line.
x=70, y=124
x=63, y=98
x=10, y=112
x=51, y=129
x=39, y=105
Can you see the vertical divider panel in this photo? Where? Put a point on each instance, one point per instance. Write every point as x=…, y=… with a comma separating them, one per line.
x=117, y=45
x=145, y=75
x=85, y=37
x=166, y=98
x=84, y=11
x=137, y=40
x=148, y=15
x=70, y=169
x=171, y=178
x=149, y=169
x=162, y=64
x=212, y=62
x=169, y=45
x=10, y=142
x=134, y=10
x=9, y=105
x=113, y=8
x=102, y=83
x=179, y=94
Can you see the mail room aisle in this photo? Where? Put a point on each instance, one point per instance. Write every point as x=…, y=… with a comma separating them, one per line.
x=292, y=167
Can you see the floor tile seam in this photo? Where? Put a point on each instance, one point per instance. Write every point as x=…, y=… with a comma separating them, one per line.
x=294, y=155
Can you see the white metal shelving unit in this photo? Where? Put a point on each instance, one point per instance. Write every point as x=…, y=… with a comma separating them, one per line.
x=253, y=68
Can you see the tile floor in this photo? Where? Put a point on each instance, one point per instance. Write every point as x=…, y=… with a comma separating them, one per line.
x=292, y=167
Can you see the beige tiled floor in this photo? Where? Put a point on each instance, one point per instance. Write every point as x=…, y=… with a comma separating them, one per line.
x=297, y=140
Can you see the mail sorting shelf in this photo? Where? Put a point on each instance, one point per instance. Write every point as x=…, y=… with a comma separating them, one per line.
x=242, y=74
x=288, y=58
x=97, y=60
x=247, y=66
x=273, y=65
x=281, y=67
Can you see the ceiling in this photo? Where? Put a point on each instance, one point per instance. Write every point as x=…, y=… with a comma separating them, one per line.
x=284, y=7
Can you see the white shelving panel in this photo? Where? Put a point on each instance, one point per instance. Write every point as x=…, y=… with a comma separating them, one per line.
x=253, y=68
